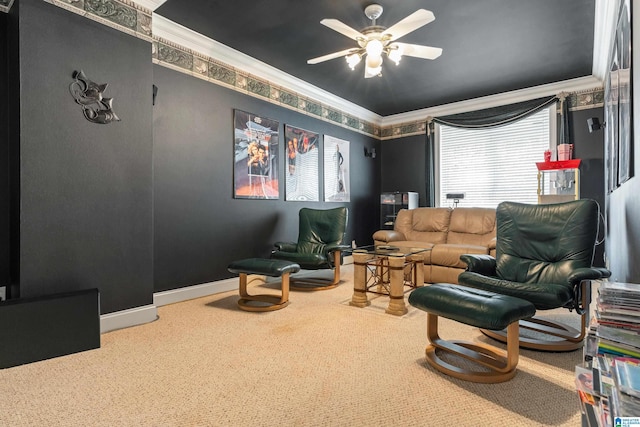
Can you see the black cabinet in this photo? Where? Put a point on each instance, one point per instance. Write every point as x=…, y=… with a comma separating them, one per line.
x=390, y=205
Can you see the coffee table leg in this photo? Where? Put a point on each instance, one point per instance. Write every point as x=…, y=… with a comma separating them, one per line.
x=396, y=293
x=359, y=298
x=418, y=270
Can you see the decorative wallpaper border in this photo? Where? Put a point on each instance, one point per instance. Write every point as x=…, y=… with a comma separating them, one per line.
x=588, y=99
x=5, y=5
x=583, y=100
x=133, y=19
x=171, y=55
x=122, y=15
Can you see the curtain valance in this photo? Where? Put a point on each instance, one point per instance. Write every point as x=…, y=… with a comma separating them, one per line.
x=491, y=117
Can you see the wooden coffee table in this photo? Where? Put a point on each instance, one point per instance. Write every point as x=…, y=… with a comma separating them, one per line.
x=386, y=270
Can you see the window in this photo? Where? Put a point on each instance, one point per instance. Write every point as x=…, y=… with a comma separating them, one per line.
x=492, y=165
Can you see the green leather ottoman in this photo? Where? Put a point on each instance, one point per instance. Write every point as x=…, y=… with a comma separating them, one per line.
x=475, y=307
x=265, y=267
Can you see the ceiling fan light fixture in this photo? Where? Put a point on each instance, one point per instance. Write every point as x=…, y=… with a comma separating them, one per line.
x=374, y=47
x=353, y=60
x=374, y=41
x=395, y=54
x=372, y=72
x=374, y=61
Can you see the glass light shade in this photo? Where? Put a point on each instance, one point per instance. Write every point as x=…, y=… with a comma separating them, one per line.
x=374, y=61
x=371, y=72
x=395, y=55
x=374, y=48
x=353, y=60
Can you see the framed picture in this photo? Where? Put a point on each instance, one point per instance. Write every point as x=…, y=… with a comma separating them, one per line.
x=611, y=118
x=255, y=172
x=336, y=170
x=302, y=158
x=618, y=104
x=623, y=39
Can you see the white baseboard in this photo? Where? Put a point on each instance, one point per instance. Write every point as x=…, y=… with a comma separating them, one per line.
x=195, y=291
x=126, y=318
x=149, y=313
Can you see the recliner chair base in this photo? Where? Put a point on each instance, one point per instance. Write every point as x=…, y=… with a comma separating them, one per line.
x=570, y=339
x=318, y=284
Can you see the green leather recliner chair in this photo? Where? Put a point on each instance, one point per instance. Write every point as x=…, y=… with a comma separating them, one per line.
x=544, y=255
x=319, y=246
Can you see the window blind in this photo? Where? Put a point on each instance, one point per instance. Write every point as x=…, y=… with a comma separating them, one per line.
x=492, y=165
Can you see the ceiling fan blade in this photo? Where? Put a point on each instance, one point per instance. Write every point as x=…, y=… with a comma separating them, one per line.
x=419, y=51
x=342, y=28
x=331, y=56
x=412, y=22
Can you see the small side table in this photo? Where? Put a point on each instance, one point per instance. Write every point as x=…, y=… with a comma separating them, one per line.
x=386, y=267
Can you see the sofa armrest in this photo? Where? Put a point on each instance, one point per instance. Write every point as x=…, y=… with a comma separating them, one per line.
x=388, y=236
x=492, y=244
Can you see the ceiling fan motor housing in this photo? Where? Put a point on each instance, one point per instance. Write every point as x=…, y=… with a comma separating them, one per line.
x=373, y=11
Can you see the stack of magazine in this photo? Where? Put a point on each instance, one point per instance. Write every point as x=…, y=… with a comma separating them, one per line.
x=608, y=383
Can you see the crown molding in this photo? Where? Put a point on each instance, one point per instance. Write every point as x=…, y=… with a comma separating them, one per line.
x=150, y=4
x=171, y=31
x=573, y=85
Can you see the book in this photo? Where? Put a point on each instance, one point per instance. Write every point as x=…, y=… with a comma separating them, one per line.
x=619, y=287
x=617, y=349
x=584, y=380
x=627, y=377
x=618, y=335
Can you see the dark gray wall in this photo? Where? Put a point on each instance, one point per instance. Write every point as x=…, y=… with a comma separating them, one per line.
x=84, y=209
x=623, y=204
x=4, y=155
x=13, y=127
x=199, y=228
x=589, y=147
x=403, y=166
x=85, y=188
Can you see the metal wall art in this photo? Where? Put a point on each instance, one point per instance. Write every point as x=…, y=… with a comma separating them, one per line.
x=88, y=95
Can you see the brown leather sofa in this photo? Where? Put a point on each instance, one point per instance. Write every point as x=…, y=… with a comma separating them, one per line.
x=448, y=232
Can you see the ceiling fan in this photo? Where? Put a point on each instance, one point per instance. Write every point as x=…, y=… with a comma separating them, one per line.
x=375, y=40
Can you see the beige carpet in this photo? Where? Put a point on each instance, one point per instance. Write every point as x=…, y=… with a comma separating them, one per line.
x=319, y=361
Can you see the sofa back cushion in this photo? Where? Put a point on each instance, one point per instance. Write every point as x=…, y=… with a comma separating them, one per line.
x=472, y=226
x=424, y=224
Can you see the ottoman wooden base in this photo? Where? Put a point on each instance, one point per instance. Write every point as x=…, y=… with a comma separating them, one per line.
x=480, y=362
x=267, y=267
x=501, y=365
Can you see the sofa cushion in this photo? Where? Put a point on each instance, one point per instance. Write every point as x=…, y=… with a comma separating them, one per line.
x=448, y=254
x=424, y=224
x=474, y=226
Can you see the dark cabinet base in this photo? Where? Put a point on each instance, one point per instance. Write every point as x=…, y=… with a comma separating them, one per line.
x=33, y=329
